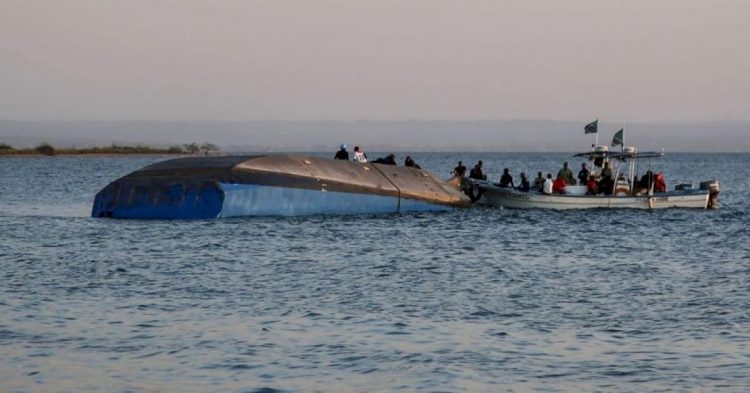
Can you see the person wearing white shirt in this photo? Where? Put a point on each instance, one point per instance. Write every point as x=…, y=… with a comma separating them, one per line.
x=359, y=155
x=547, y=187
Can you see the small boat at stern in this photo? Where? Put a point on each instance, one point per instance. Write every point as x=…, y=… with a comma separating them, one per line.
x=283, y=185
x=615, y=185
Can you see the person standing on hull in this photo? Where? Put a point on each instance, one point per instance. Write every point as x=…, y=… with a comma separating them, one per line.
x=359, y=155
x=342, y=154
x=583, y=174
x=566, y=174
x=460, y=170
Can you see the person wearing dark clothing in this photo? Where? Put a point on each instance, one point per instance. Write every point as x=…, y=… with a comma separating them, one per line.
x=605, y=185
x=460, y=170
x=646, y=180
x=476, y=173
x=342, y=154
x=524, y=187
x=538, y=182
x=583, y=174
x=506, y=180
x=645, y=183
x=390, y=160
x=410, y=162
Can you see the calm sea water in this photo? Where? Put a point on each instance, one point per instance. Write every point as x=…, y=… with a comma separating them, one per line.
x=470, y=300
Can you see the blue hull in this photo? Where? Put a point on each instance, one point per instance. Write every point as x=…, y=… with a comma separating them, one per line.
x=177, y=202
x=254, y=200
x=239, y=200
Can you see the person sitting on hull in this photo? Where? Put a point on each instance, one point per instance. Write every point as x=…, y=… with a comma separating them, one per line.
x=538, y=182
x=410, y=162
x=524, y=187
x=558, y=186
x=547, y=187
x=342, y=154
x=359, y=155
x=566, y=174
x=389, y=160
x=506, y=180
x=460, y=170
x=476, y=173
x=583, y=174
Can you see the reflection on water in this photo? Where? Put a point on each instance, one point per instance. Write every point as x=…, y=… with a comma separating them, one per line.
x=470, y=300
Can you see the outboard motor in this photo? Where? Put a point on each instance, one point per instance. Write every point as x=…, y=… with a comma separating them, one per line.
x=713, y=188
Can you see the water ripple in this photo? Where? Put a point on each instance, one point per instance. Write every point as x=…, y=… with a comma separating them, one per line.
x=480, y=300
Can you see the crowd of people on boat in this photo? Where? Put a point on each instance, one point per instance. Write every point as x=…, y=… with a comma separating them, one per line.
x=602, y=183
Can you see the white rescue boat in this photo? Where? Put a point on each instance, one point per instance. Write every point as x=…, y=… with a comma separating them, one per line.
x=626, y=191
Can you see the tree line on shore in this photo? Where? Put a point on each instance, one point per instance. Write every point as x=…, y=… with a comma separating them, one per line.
x=45, y=149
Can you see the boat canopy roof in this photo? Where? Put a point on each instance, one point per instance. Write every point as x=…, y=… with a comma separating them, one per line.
x=620, y=155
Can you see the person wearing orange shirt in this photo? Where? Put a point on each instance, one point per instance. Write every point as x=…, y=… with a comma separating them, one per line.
x=592, y=186
x=558, y=186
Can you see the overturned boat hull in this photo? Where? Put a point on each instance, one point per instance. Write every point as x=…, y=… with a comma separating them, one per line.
x=283, y=185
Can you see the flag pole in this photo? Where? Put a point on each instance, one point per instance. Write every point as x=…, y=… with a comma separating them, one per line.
x=596, y=140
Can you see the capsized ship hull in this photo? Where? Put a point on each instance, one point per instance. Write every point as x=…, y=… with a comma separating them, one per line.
x=283, y=185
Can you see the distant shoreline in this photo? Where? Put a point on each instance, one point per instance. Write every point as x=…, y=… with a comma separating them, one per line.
x=47, y=150
x=28, y=155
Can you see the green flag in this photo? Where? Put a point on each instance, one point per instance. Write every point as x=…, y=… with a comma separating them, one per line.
x=591, y=128
x=617, y=139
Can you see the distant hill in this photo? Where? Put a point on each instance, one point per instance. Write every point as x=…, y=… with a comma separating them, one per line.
x=413, y=135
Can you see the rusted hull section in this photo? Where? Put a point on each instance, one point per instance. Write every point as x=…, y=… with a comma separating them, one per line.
x=287, y=185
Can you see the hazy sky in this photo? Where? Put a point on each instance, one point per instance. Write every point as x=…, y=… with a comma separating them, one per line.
x=633, y=60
